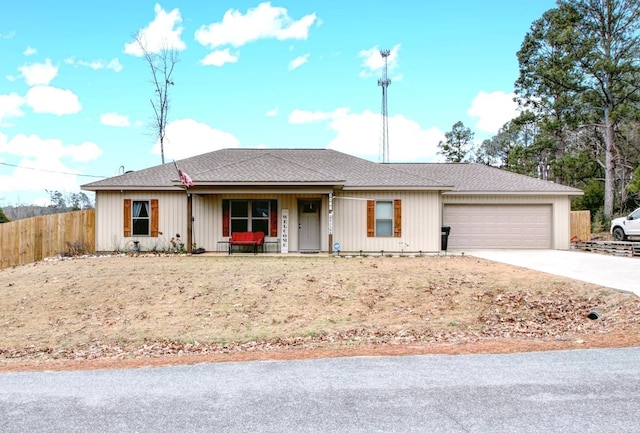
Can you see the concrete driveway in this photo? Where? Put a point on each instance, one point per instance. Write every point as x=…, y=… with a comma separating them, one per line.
x=622, y=273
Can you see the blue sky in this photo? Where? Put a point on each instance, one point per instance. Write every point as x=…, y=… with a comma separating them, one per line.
x=75, y=95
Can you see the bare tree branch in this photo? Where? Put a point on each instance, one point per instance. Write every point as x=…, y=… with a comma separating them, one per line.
x=161, y=64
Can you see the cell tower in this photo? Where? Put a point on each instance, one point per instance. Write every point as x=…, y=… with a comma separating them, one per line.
x=384, y=83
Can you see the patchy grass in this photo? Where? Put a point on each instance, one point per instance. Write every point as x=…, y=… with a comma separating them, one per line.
x=150, y=306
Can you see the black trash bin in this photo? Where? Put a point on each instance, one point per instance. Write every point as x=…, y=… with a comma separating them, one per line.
x=444, y=237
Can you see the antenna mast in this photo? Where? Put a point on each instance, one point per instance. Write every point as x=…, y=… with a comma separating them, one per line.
x=384, y=83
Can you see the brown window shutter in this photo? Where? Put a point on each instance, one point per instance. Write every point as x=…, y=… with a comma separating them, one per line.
x=273, y=218
x=225, y=217
x=154, y=218
x=371, y=218
x=397, y=218
x=127, y=217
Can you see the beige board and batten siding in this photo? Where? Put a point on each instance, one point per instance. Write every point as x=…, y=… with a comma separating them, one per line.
x=523, y=221
x=421, y=220
x=172, y=220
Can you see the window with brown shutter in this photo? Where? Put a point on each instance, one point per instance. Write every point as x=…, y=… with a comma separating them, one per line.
x=397, y=218
x=154, y=218
x=371, y=218
x=273, y=217
x=127, y=218
x=384, y=218
x=141, y=218
x=225, y=218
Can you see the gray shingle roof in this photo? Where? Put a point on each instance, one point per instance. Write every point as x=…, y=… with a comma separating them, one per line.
x=471, y=177
x=322, y=167
x=269, y=166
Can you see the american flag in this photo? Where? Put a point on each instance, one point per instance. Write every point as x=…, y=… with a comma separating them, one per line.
x=184, y=178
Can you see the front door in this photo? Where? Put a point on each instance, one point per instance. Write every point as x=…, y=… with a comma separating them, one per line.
x=309, y=225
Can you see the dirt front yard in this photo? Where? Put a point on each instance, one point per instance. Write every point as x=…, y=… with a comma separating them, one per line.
x=127, y=311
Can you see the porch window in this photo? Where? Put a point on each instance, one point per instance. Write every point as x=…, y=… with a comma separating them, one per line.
x=251, y=216
x=384, y=218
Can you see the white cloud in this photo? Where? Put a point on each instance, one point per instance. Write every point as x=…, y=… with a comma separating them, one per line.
x=114, y=119
x=10, y=106
x=41, y=166
x=273, y=112
x=220, y=57
x=164, y=32
x=84, y=152
x=361, y=134
x=39, y=73
x=373, y=62
x=186, y=137
x=305, y=116
x=46, y=99
x=298, y=61
x=29, y=51
x=115, y=65
x=96, y=65
x=9, y=35
x=262, y=22
x=30, y=175
x=493, y=110
x=32, y=146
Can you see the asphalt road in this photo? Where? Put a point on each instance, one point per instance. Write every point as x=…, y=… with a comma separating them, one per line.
x=564, y=391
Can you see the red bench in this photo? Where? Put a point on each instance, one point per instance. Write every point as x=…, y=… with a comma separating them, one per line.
x=255, y=239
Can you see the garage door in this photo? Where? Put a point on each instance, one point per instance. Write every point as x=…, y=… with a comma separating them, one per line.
x=498, y=226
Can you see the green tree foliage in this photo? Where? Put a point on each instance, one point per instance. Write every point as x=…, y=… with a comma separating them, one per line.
x=634, y=188
x=3, y=217
x=579, y=72
x=57, y=200
x=592, y=199
x=458, y=143
x=70, y=202
x=504, y=149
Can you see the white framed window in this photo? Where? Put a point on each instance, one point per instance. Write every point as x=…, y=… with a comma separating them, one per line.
x=384, y=218
x=140, y=218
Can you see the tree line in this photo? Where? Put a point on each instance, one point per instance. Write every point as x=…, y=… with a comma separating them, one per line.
x=579, y=99
x=59, y=203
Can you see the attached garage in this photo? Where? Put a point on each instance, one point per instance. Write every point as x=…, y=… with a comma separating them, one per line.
x=499, y=226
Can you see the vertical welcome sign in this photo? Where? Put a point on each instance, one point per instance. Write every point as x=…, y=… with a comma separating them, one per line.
x=284, y=248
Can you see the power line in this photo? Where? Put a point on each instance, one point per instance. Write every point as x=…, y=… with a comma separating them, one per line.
x=53, y=171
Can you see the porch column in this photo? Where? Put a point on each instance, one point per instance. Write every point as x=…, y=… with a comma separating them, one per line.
x=330, y=223
x=189, y=223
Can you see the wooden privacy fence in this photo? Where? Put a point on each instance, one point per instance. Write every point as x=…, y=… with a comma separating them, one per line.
x=33, y=239
x=580, y=225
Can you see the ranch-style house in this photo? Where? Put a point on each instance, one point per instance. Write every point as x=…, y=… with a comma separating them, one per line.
x=320, y=200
